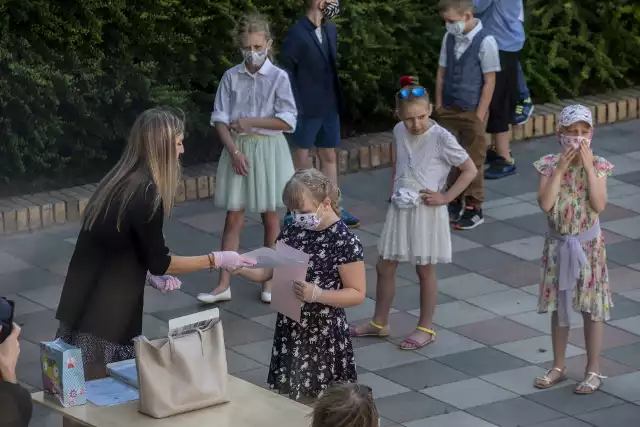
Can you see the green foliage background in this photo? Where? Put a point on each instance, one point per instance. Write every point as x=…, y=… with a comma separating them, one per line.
x=74, y=74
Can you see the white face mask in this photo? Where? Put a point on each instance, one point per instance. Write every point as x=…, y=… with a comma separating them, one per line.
x=574, y=141
x=255, y=59
x=308, y=221
x=455, y=28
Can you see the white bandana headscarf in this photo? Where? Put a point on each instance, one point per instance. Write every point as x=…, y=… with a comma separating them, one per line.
x=573, y=114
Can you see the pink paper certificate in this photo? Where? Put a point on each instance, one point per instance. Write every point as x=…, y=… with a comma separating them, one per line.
x=283, y=297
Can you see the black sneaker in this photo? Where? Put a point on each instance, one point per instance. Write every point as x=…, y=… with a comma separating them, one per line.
x=455, y=210
x=500, y=168
x=492, y=155
x=471, y=218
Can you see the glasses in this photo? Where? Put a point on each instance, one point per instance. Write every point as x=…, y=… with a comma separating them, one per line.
x=416, y=91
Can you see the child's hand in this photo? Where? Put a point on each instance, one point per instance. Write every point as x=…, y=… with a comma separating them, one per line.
x=303, y=290
x=241, y=125
x=432, y=198
x=586, y=155
x=566, y=158
x=240, y=164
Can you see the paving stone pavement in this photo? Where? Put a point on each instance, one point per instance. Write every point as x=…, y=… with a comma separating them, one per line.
x=491, y=342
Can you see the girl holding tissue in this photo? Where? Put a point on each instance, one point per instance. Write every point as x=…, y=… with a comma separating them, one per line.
x=254, y=105
x=121, y=246
x=573, y=193
x=309, y=356
x=416, y=229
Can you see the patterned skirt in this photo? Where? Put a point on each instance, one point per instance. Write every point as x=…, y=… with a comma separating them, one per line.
x=95, y=350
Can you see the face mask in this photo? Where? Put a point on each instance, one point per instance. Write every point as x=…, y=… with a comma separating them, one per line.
x=255, y=59
x=455, y=28
x=574, y=141
x=308, y=221
x=331, y=10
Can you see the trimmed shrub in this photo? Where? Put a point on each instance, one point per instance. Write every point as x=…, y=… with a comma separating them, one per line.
x=74, y=75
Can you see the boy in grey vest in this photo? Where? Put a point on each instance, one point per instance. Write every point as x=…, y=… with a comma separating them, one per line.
x=469, y=61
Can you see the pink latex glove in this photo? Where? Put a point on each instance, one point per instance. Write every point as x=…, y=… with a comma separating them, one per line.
x=163, y=283
x=231, y=261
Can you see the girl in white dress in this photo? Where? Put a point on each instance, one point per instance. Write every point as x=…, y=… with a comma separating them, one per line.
x=416, y=229
x=254, y=105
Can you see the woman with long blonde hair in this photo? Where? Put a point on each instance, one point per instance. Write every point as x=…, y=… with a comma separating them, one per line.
x=121, y=246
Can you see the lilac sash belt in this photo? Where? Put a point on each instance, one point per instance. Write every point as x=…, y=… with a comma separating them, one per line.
x=571, y=258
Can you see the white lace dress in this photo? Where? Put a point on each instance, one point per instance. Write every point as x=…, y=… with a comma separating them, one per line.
x=421, y=235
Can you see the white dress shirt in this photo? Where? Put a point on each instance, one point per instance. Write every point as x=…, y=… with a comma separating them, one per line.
x=265, y=94
x=489, y=55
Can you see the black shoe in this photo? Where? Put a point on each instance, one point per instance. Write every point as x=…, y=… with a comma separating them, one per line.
x=455, y=210
x=471, y=218
x=500, y=168
x=491, y=157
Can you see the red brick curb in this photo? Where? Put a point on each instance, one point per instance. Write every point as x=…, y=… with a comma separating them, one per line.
x=364, y=152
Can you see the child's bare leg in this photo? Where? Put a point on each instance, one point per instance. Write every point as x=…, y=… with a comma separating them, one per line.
x=230, y=242
x=428, y=298
x=385, y=291
x=501, y=141
x=559, y=340
x=593, y=334
x=271, y=224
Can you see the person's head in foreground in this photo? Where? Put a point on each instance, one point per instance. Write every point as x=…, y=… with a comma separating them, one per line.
x=153, y=148
x=575, y=129
x=312, y=198
x=458, y=16
x=413, y=106
x=345, y=405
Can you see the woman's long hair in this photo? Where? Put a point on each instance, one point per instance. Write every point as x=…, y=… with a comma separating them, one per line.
x=151, y=147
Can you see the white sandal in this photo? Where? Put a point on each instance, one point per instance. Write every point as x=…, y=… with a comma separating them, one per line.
x=588, y=385
x=545, y=382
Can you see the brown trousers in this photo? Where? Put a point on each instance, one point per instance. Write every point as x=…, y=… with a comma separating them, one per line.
x=472, y=136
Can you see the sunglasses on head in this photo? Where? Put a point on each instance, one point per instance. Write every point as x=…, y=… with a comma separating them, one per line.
x=416, y=91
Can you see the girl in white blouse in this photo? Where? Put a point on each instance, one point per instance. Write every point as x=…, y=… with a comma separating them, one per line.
x=416, y=229
x=254, y=105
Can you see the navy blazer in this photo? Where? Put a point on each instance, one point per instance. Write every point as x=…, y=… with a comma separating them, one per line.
x=312, y=68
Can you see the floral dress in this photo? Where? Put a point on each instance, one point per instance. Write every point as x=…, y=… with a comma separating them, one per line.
x=571, y=215
x=309, y=356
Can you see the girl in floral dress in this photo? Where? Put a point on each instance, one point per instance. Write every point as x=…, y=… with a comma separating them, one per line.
x=573, y=192
x=309, y=356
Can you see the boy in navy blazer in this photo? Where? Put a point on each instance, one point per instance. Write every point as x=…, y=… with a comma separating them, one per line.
x=309, y=55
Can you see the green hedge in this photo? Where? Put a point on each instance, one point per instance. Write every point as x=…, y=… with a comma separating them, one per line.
x=73, y=75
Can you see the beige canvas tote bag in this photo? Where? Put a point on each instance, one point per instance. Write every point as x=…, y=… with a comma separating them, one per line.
x=182, y=373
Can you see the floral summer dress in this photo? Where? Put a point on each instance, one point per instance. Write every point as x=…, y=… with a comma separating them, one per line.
x=571, y=215
x=310, y=356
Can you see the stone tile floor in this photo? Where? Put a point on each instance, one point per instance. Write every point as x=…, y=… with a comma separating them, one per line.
x=491, y=342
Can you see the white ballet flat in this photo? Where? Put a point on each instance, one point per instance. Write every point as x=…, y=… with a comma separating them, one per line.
x=212, y=299
x=266, y=297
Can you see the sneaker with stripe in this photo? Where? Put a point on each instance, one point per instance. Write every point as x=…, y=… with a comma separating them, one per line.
x=471, y=218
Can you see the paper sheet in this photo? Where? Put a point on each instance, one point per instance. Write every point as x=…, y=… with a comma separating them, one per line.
x=191, y=322
x=109, y=392
x=269, y=258
x=283, y=297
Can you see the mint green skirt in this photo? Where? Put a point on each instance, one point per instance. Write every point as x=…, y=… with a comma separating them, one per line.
x=270, y=167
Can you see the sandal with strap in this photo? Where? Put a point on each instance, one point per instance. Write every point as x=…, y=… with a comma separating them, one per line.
x=415, y=344
x=587, y=383
x=545, y=382
x=381, y=331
